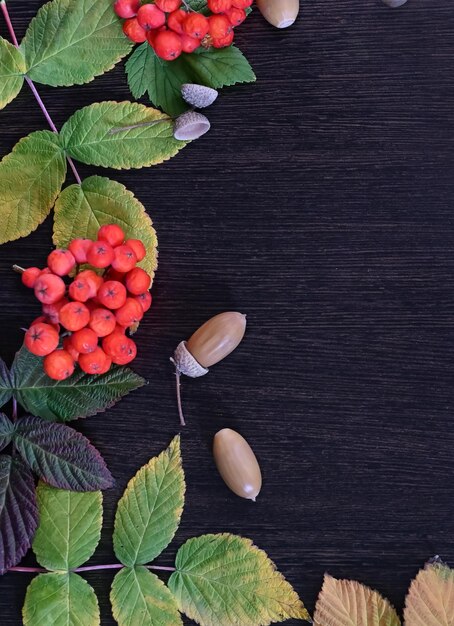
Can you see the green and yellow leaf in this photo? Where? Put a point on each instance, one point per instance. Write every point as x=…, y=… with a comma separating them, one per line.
x=31, y=177
x=12, y=70
x=69, y=42
x=348, y=603
x=81, y=209
x=149, y=511
x=69, y=527
x=224, y=580
x=122, y=135
x=139, y=598
x=63, y=599
x=430, y=600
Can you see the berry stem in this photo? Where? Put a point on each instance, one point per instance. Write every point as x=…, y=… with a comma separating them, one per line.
x=18, y=269
x=178, y=388
x=31, y=84
x=89, y=568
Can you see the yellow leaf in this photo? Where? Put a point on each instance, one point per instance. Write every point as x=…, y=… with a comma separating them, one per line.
x=348, y=603
x=430, y=600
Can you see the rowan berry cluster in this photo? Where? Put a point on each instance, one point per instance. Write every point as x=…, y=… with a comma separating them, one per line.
x=171, y=27
x=93, y=311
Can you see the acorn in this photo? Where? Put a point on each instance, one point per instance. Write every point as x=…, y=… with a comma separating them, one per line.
x=394, y=4
x=198, y=96
x=237, y=464
x=190, y=125
x=279, y=13
x=211, y=343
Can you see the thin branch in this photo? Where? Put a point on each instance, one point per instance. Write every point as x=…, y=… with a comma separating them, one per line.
x=178, y=390
x=14, y=409
x=30, y=83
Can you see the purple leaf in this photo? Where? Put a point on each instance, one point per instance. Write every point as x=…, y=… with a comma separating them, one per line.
x=61, y=456
x=18, y=511
x=6, y=431
x=5, y=384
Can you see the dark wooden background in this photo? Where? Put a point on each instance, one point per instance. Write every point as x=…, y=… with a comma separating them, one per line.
x=320, y=204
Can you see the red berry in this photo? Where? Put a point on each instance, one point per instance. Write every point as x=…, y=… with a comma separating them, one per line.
x=44, y=319
x=74, y=316
x=107, y=365
x=49, y=288
x=41, y=339
x=112, y=233
x=124, y=257
x=68, y=346
x=134, y=31
x=84, y=340
x=196, y=25
x=59, y=365
x=102, y=322
x=175, y=22
x=149, y=17
x=94, y=280
x=61, y=262
x=236, y=16
x=223, y=42
x=168, y=5
x=145, y=300
x=46, y=270
x=79, y=249
x=189, y=44
x=219, y=6
x=80, y=289
x=128, y=354
x=100, y=254
x=120, y=348
x=52, y=311
x=126, y=8
x=94, y=362
x=137, y=281
x=112, y=294
x=138, y=248
x=242, y=4
x=30, y=276
x=130, y=313
x=220, y=26
x=167, y=45
x=114, y=275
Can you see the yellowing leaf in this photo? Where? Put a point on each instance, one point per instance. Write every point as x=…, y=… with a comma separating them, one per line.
x=348, y=603
x=12, y=69
x=121, y=135
x=81, y=209
x=430, y=600
x=224, y=580
x=31, y=177
x=149, y=511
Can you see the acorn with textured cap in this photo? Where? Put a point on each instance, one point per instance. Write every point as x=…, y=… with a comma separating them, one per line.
x=198, y=96
x=279, y=13
x=190, y=125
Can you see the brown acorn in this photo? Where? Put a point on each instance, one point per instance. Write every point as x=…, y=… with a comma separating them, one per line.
x=279, y=13
x=237, y=464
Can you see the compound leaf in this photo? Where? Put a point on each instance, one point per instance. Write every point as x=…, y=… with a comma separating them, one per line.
x=69, y=42
x=12, y=70
x=430, y=600
x=63, y=599
x=69, y=527
x=18, y=511
x=149, y=511
x=121, y=135
x=5, y=384
x=31, y=177
x=6, y=431
x=81, y=209
x=346, y=603
x=224, y=580
x=61, y=456
x=162, y=80
x=139, y=598
x=80, y=395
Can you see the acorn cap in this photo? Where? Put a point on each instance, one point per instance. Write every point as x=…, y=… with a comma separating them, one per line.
x=394, y=4
x=186, y=363
x=190, y=125
x=198, y=96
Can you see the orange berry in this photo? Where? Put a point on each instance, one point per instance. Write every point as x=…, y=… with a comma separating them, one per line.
x=168, y=6
x=94, y=362
x=150, y=16
x=196, y=25
x=137, y=281
x=128, y=353
x=30, y=276
x=44, y=319
x=175, y=22
x=74, y=316
x=134, y=31
x=107, y=365
x=236, y=16
x=130, y=313
x=68, y=346
x=79, y=249
x=102, y=322
x=61, y=262
x=145, y=300
x=126, y=8
x=124, y=259
x=242, y=4
x=94, y=279
x=189, y=44
x=220, y=26
x=112, y=233
x=167, y=45
x=49, y=288
x=112, y=294
x=80, y=289
x=219, y=6
x=41, y=339
x=115, y=344
x=100, y=254
x=52, y=311
x=223, y=42
x=137, y=247
x=59, y=365
x=84, y=340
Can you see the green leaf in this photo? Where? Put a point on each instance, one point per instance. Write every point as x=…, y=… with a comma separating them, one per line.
x=31, y=177
x=5, y=384
x=149, y=512
x=69, y=42
x=121, y=135
x=80, y=395
x=61, y=456
x=6, y=431
x=12, y=70
x=18, y=511
x=139, y=598
x=225, y=580
x=60, y=600
x=162, y=80
x=81, y=209
x=69, y=527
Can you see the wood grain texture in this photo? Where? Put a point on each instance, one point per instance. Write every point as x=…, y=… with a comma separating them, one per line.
x=320, y=204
